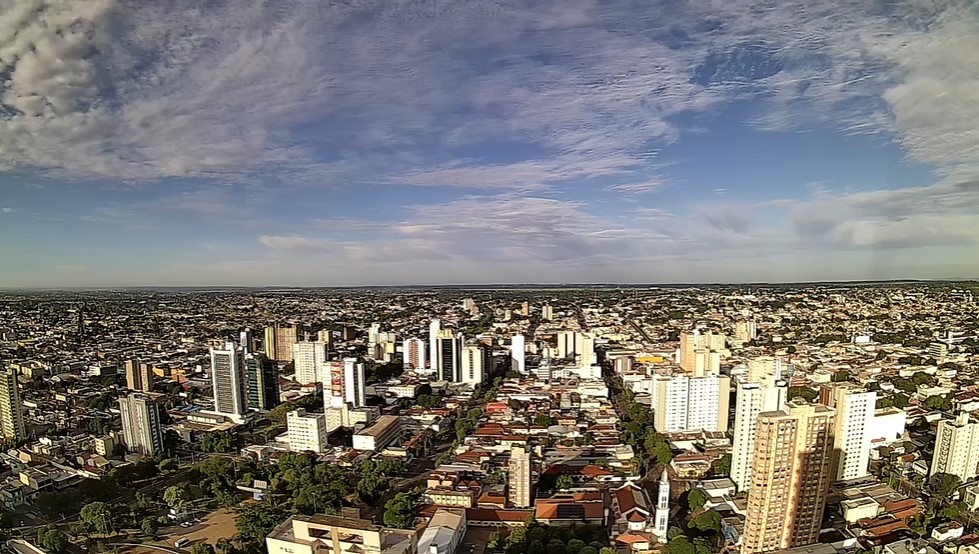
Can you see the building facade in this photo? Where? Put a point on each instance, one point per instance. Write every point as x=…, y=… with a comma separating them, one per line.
x=309, y=359
x=307, y=432
x=141, y=429
x=957, y=448
x=139, y=376
x=413, y=354
x=519, y=477
x=11, y=416
x=751, y=399
x=790, y=477
x=229, y=380
x=263, y=382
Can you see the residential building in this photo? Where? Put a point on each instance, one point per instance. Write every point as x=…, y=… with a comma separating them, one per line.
x=307, y=432
x=476, y=361
x=444, y=532
x=228, y=380
x=957, y=448
x=790, y=476
x=546, y=313
x=700, y=354
x=413, y=353
x=141, y=430
x=344, y=382
x=449, y=366
x=751, y=399
x=280, y=340
x=519, y=477
x=309, y=359
x=11, y=416
x=683, y=403
x=518, y=354
x=433, y=344
x=263, y=382
x=854, y=424
x=322, y=534
x=745, y=330
x=139, y=376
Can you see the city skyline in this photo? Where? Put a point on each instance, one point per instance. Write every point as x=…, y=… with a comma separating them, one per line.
x=492, y=142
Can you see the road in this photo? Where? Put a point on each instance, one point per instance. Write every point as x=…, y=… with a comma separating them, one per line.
x=640, y=330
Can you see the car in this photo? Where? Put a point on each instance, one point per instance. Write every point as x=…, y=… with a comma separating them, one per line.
x=181, y=542
x=186, y=524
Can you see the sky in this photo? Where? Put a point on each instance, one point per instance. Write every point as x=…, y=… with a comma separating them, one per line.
x=362, y=142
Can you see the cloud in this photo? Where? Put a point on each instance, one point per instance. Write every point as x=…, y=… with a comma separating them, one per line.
x=7, y=210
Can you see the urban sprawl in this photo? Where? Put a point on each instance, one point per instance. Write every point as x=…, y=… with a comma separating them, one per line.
x=809, y=419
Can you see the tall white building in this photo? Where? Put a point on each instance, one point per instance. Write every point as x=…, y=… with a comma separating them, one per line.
x=519, y=477
x=546, y=312
x=683, y=403
x=433, y=345
x=309, y=359
x=307, y=432
x=372, y=335
x=751, y=399
x=474, y=358
x=700, y=353
x=228, y=379
x=11, y=418
x=518, y=352
x=585, y=350
x=413, y=354
x=957, y=448
x=854, y=428
x=662, y=514
x=343, y=382
x=141, y=430
x=567, y=344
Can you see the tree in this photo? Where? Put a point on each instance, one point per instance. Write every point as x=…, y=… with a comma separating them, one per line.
x=721, y=467
x=906, y=385
x=202, y=548
x=555, y=546
x=942, y=486
x=535, y=547
x=936, y=402
x=98, y=517
x=255, y=521
x=696, y=498
x=149, y=527
x=175, y=496
x=225, y=546
x=679, y=545
x=921, y=378
x=399, y=512
x=805, y=392
x=707, y=522
x=543, y=420
x=607, y=550
x=901, y=401
x=53, y=540
x=840, y=376
x=564, y=482
x=574, y=546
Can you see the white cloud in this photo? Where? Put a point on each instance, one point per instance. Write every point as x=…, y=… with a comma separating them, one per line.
x=7, y=210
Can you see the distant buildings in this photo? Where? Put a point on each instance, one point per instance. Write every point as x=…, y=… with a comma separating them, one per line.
x=518, y=353
x=957, y=448
x=546, y=312
x=790, y=476
x=228, y=380
x=279, y=341
x=745, y=330
x=519, y=477
x=141, y=430
x=306, y=432
x=11, y=417
x=139, y=376
x=263, y=382
x=700, y=354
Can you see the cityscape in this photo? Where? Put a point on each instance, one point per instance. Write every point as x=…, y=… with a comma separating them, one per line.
x=824, y=419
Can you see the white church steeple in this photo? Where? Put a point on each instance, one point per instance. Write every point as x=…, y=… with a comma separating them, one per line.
x=662, y=508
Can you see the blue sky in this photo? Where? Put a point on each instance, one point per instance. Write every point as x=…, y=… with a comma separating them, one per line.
x=437, y=142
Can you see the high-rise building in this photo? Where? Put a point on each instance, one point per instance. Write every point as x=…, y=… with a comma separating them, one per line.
x=683, y=403
x=751, y=399
x=307, y=432
x=525, y=309
x=791, y=472
x=263, y=382
x=433, y=344
x=449, y=355
x=518, y=354
x=245, y=340
x=309, y=359
x=11, y=417
x=745, y=330
x=141, y=430
x=280, y=340
x=229, y=381
x=700, y=353
x=413, y=353
x=475, y=366
x=853, y=428
x=546, y=312
x=662, y=513
x=372, y=334
x=957, y=448
x=585, y=349
x=519, y=477
x=139, y=375
x=343, y=382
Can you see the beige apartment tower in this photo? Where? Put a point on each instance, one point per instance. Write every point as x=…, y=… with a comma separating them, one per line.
x=139, y=376
x=957, y=448
x=790, y=476
x=519, y=472
x=11, y=418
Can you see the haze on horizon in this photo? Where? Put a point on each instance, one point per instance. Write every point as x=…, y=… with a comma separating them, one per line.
x=309, y=143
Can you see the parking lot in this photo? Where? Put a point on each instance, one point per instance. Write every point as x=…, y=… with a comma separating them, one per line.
x=216, y=525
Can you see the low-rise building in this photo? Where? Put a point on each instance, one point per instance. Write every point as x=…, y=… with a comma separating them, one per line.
x=321, y=534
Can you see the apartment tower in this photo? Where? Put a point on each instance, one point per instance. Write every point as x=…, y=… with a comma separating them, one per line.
x=139, y=376
x=11, y=418
x=229, y=380
x=519, y=475
x=790, y=475
x=957, y=448
x=141, y=430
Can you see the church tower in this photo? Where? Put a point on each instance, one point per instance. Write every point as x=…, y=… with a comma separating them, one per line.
x=662, y=508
